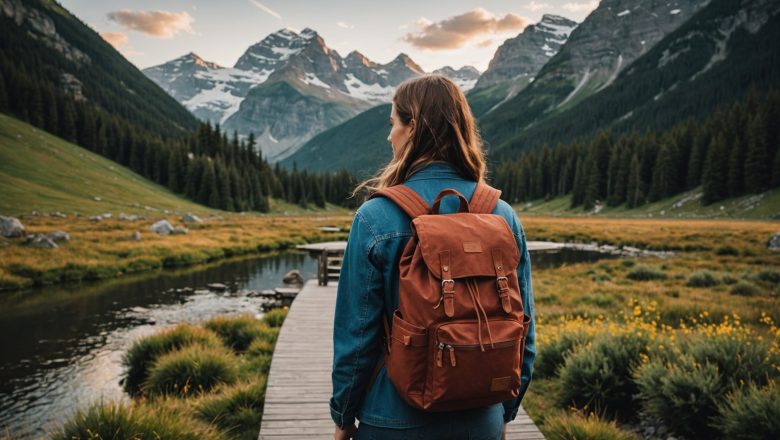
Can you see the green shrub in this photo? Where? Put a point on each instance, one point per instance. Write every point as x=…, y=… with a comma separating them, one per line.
x=728, y=279
x=552, y=354
x=239, y=410
x=683, y=395
x=237, y=332
x=726, y=250
x=599, y=377
x=645, y=273
x=598, y=299
x=685, y=391
x=119, y=421
x=768, y=276
x=702, y=278
x=628, y=263
x=564, y=426
x=275, y=317
x=751, y=412
x=260, y=347
x=145, y=351
x=260, y=364
x=192, y=370
x=743, y=288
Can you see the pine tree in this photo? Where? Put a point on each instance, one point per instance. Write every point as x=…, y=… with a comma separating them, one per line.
x=634, y=194
x=3, y=94
x=713, y=184
x=67, y=128
x=757, y=158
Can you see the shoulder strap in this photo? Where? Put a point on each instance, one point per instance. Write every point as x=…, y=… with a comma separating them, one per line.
x=484, y=199
x=406, y=198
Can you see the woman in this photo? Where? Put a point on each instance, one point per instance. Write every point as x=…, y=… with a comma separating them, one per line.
x=435, y=146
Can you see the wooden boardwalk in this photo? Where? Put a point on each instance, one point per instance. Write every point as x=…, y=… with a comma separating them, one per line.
x=299, y=387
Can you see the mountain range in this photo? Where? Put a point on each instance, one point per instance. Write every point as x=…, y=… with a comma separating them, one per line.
x=288, y=87
x=630, y=65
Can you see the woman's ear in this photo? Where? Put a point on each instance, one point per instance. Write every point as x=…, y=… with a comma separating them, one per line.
x=412, y=124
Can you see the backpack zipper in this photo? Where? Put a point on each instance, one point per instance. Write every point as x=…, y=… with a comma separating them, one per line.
x=451, y=348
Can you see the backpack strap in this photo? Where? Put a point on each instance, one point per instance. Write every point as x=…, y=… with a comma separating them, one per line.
x=406, y=198
x=484, y=199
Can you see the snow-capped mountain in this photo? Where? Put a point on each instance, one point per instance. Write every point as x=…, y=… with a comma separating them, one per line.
x=518, y=60
x=208, y=90
x=521, y=57
x=247, y=97
x=465, y=77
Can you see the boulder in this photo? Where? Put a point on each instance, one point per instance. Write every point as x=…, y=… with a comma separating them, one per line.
x=135, y=236
x=191, y=218
x=180, y=230
x=129, y=218
x=58, y=236
x=773, y=244
x=293, y=277
x=41, y=241
x=219, y=287
x=162, y=227
x=11, y=227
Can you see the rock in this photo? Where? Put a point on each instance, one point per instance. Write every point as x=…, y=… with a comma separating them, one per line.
x=219, y=287
x=59, y=214
x=135, y=236
x=773, y=244
x=162, y=227
x=99, y=217
x=129, y=218
x=41, y=241
x=180, y=230
x=252, y=294
x=293, y=277
x=97, y=199
x=11, y=227
x=58, y=236
x=191, y=218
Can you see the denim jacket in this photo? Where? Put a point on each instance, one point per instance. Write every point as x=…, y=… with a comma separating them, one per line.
x=368, y=287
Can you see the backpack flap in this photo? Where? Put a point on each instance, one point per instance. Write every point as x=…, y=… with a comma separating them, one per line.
x=470, y=240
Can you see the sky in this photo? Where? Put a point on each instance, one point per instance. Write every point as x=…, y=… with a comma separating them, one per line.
x=433, y=33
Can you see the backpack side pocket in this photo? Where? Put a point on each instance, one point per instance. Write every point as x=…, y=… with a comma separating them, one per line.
x=407, y=361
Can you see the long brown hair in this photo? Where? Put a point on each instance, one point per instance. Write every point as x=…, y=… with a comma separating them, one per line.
x=444, y=130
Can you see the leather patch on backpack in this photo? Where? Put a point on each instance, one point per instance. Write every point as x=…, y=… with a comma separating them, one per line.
x=500, y=383
x=472, y=246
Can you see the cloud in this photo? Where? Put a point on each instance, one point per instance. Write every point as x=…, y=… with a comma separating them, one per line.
x=116, y=39
x=161, y=24
x=266, y=9
x=455, y=32
x=484, y=44
x=341, y=24
x=581, y=7
x=536, y=7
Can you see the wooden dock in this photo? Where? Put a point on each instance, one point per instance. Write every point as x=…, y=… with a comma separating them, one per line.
x=299, y=386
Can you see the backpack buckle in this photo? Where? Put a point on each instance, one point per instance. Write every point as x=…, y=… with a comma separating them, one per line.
x=502, y=286
x=448, y=281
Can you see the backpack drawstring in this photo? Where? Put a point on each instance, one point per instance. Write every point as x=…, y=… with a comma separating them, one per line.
x=474, y=293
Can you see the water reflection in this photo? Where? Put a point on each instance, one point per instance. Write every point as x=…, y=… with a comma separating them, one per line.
x=62, y=347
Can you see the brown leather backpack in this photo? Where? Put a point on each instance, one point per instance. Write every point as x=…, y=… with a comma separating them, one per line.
x=458, y=335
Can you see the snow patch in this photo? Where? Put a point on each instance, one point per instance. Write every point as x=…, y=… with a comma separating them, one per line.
x=313, y=80
x=674, y=11
x=368, y=92
x=626, y=12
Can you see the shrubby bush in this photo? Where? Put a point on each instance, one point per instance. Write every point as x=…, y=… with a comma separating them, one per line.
x=702, y=278
x=751, y=412
x=643, y=272
x=145, y=351
x=192, y=370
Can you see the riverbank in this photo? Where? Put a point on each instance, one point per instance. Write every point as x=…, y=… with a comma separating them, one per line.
x=189, y=382
x=110, y=248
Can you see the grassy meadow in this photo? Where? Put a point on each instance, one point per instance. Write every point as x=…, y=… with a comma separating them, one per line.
x=687, y=345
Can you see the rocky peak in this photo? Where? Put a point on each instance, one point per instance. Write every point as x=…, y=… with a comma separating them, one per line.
x=465, y=77
x=521, y=57
x=275, y=49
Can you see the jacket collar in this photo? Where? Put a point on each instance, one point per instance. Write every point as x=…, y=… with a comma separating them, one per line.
x=434, y=170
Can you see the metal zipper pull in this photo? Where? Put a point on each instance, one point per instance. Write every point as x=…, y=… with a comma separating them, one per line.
x=438, y=355
x=452, y=355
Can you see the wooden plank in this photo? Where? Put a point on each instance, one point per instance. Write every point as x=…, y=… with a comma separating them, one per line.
x=299, y=383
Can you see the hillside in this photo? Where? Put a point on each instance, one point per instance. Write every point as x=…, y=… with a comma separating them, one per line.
x=49, y=57
x=37, y=174
x=359, y=144
x=708, y=62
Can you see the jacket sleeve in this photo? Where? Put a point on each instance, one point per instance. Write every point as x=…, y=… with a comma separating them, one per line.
x=357, y=330
x=524, y=276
